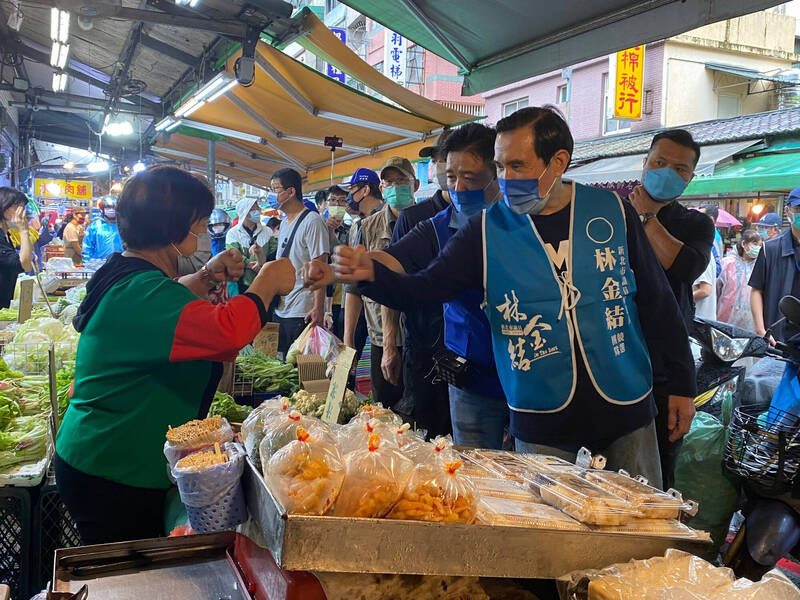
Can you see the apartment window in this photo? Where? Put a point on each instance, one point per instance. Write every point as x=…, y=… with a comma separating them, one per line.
x=727, y=106
x=561, y=94
x=330, y=5
x=374, y=26
x=610, y=124
x=513, y=106
x=415, y=64
x=379, y=66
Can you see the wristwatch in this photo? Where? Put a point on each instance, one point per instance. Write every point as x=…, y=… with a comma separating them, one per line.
x=645, y=217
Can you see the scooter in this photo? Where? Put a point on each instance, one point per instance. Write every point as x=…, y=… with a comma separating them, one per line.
x=763, y=452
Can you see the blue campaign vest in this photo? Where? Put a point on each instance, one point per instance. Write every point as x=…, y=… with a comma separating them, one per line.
x=466, y=329
x=537, y=316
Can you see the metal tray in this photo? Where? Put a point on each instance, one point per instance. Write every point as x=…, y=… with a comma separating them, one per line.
x=185, y=568
x=350, y=545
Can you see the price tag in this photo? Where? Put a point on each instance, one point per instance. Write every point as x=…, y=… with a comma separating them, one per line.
x=341, y=371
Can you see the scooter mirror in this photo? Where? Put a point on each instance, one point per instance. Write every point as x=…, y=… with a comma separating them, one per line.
x=790, y=308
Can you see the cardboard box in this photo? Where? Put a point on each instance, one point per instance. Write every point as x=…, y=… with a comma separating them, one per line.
x=310, y=367
x=267, y=340
x=318, y=387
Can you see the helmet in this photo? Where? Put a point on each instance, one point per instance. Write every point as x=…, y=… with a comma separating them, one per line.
x=218, y=217
x=108, y=202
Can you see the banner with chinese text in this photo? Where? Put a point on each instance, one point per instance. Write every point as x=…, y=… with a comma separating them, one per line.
x=628, y=83
x=394, y=57
x=59, y=188
x=332, y=71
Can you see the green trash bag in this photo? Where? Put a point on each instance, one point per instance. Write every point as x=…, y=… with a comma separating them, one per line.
x=699, y=476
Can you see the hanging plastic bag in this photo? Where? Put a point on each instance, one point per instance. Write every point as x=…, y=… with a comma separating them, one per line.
x=279, y=430
x=375, y=477
x=306, y=475
x=355, y=436
x=323, y=342
x=209, y=482
x=253, y=426
x=298, y=346
x=437, y=492
x=195, y=435
x=376, y=411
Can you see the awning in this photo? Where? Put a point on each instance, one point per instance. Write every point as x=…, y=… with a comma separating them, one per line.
x=749, y=73
x=497, y=42
x=629, y=168
x=762, y=173
x=284, y=116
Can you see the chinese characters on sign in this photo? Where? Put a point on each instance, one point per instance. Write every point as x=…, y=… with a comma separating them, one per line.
x=526, y=343
x=628, y=84
x=615, y=286
x=332, y=71
x=394, y=57
x=58, y=188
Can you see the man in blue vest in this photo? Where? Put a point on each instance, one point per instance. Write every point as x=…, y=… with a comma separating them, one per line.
x=575, y=298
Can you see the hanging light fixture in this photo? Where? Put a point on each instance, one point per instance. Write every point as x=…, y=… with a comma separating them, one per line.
x=59, y=81
x=98, y=165
x=59, y=54
x=69, y=165
x=138, y=167
x=118, y=128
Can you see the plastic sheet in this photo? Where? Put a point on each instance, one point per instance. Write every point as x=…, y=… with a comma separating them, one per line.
x=253, y=426
x=675, y=576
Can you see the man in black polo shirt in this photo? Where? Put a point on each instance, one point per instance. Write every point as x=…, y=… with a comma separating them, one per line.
x=424, y=325
x=681, y=239
x=775, y=273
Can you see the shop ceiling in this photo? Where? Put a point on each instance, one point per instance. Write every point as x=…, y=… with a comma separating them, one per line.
x=141, y=57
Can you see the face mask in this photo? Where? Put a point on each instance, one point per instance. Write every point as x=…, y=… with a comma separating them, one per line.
x=753, y=251
x=796, y=220
x=522, y=195
x=217, y=229
x=399, y=196
x=663, y=185
x=272, y=201
x=110, y=214
x=255, y=216
x=468, y=202
x=336, y=211
x=352, y=203
x=762, y=232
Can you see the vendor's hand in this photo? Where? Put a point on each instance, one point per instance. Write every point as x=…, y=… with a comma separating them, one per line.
x=334, y=223
x=391, y=365
x=353, y=264
x=317, y=274
x=681, y=413
x=280, y=275
x=643, y=203
x=228, y=265
x=316, y=317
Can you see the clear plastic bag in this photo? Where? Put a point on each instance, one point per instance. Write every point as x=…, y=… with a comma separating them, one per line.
x=438, y=449
x=323, y=342
x=437, y=492
x=279, y=430
x=195, y=435
x=355, y=436
x=376, y=411
x=376, y=476
x=306, y=475
x=297, y=346
x=253, y=426
x=404, y=435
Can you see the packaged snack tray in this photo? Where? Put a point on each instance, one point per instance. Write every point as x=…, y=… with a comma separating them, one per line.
x=543, y=463
x=582, y=500
x=472, y=468
x=666, y=527
x=509, y=464
x=501, y=511
x=649, y=501
x=502, y=488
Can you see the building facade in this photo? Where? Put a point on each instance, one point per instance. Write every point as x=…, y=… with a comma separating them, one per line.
x=732, y=68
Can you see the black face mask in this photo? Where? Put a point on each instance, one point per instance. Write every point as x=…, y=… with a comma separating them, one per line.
x=352, y=204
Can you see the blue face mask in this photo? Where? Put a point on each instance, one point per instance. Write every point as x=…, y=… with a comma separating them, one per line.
x=523, y=196
x=664, y=184
x=255, y=216
x=272, y=201
x=796, y=220
x=468, y=202
x=762, y=231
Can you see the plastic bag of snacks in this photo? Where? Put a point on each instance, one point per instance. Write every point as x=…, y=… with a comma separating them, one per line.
x=439, y=448
x=306, y=475
x=279, y=430
x=195, y=435
x=436, y=491
x=209, y=482
x=377, y=411
x=355, y=436
x=375, y=477
x=253, y=426
x=404, y=435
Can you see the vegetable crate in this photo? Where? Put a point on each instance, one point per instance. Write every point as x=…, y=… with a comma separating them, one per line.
x=242, y=385
x=15, y=527
x=53, y=528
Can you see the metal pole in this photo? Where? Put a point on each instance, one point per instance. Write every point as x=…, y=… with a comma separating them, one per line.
x=211, y=166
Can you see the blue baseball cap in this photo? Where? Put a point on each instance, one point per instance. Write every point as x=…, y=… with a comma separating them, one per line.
x=794, y=197
x=770, y=220
x=364, y=175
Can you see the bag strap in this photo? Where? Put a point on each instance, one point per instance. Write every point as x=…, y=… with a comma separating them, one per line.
x=288, y=247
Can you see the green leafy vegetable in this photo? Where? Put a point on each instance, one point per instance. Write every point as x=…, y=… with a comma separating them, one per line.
x=268, y=374
x=225, y=406
x=24, y=440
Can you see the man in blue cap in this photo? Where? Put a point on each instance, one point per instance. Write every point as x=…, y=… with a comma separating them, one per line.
x=777, y=272
x=769, y=227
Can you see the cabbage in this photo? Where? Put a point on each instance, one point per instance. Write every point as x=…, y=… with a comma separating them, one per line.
x=23, y=441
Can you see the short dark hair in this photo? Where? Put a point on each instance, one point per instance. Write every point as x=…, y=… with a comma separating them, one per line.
x=472, y=137
x=679, y=136
x=10, y=197
x=336, y=190
x=290, y=178
x=374, y=189
x=320, y=196
x=711, y=210
x=550, y=131
x=158, y=206
x=748, y=237
x=273, y=222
